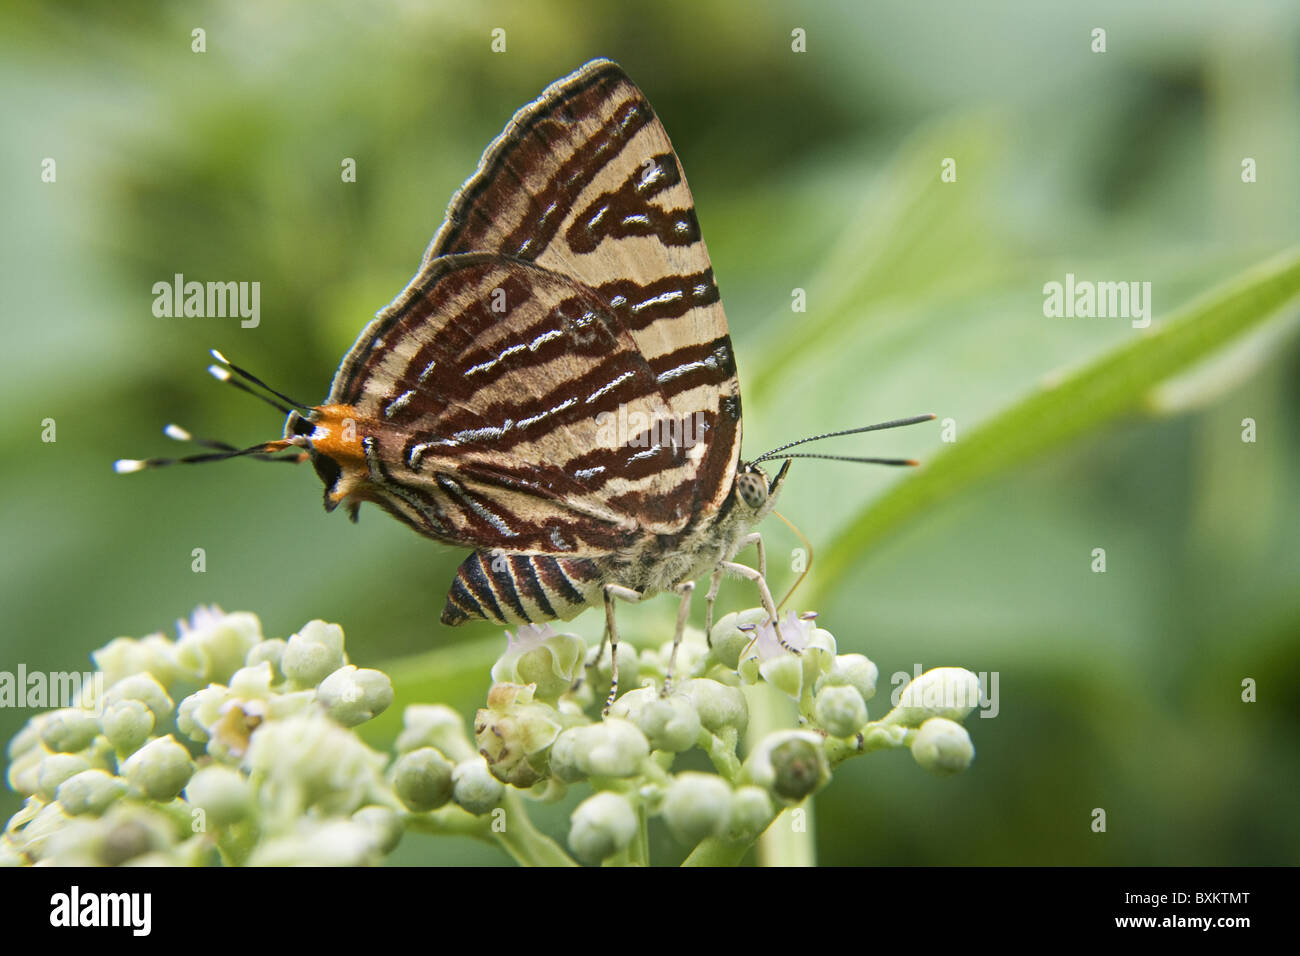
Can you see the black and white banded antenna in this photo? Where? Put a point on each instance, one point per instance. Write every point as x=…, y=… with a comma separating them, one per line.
x=244, y=381
x=227, y=372
x=779, y=451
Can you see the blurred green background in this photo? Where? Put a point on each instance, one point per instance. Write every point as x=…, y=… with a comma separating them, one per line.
x=815, y=170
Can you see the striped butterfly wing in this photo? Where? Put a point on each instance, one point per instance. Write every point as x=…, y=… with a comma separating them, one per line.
x=488, y=383
x=569, y=280
x=584, y=182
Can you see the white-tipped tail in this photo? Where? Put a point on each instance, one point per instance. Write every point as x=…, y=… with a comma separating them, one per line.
x=124, y=466
x=176, y=433
x=219, y=357
x=219, y=373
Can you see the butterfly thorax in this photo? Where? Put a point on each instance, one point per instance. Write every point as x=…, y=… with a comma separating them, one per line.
x=661, y=562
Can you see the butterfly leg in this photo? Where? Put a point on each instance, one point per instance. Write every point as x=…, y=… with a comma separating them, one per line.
x=613, y=591
x=756, y=540
x=714, y=584
x=765, y=596
x=685, y=589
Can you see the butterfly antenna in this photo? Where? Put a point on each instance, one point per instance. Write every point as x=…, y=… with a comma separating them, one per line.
x=896, y=423
x=265, y=450
x=177, y=433
x=223, y=373
x=807, y=566
x=908, y=462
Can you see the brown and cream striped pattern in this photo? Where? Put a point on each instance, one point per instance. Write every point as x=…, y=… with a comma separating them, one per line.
x=569, y=279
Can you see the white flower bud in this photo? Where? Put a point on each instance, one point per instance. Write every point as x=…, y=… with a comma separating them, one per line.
x=310, y=761
x=214, y=645
x=630, y=704
x=731, y=636
x=697, y=805
x=223, y=794
x=784, y=673
x=159, y=770
x=69, y=730
x=125, y=656
x=601, y=825
x=199, y=711
x=790, y=764
x=385, y=825
x=717, y=704
x=539, y=656
x=55, y=769
x=669, y=723
x=943, y=747
x=692, y=653
x=611, y=748
x=30, y=737
x=127, y=725
x=352, y=696
x=474, y=788
x=751, y=813
x=252, y=682
x=312, y=654
x=23, y=775
x=422, y=780
x=565, y=765
x=840, y=710
x=270, y=651
x=629, y=667
x=144, y=688
x=853, y=670
x=951, y=692
x=91, y=791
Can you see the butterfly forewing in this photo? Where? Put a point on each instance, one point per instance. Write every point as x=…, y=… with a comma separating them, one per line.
x=556, y=387
x=584, y=183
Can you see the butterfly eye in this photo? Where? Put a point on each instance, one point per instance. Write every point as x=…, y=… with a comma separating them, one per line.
x=752, y=489
x=329, y=471
x=298, y=424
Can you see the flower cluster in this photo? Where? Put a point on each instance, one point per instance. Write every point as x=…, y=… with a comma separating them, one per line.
x=536, y=731
x=223, y=746
x=226, y=747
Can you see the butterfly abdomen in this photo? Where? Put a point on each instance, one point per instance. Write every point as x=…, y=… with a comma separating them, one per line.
x=521, y=588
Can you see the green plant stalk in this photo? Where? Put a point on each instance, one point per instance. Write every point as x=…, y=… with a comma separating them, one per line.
x=717, y=852
x=528, y=845
x=779, y=845
x=1107, y=389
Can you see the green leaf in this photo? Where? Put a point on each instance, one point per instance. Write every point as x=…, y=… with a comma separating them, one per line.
x=1108, y=389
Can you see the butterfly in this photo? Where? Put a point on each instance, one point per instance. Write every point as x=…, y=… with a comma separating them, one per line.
x=555, y=389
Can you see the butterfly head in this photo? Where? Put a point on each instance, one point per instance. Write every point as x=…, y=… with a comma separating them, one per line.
x=335, y=446
x=753, y=489
x=326, y=435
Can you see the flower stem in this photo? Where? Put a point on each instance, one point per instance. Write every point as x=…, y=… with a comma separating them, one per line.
x=528, y=845
x=782, y=843
x=716, y=852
